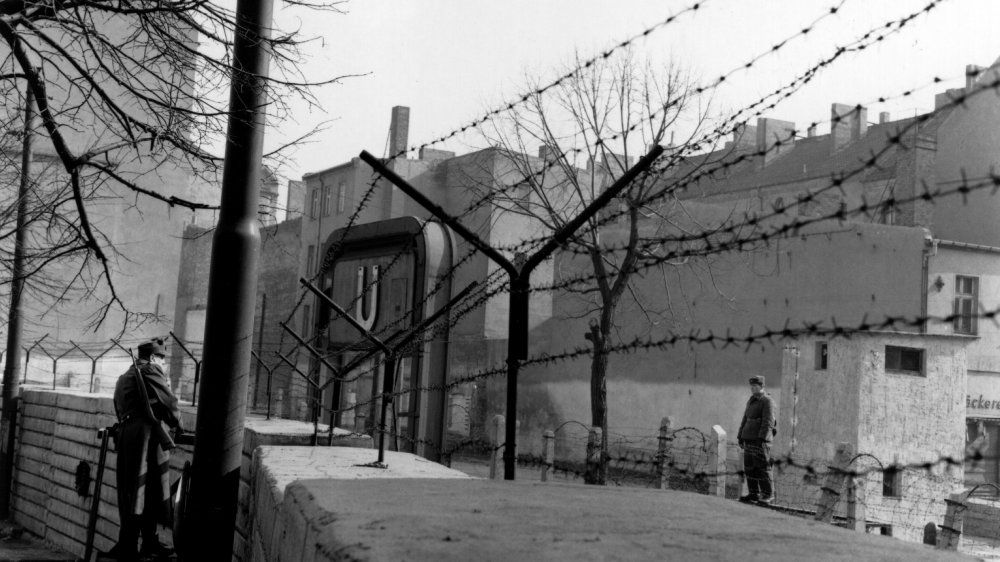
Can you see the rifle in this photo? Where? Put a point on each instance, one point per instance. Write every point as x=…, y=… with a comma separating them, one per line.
x=166, y=443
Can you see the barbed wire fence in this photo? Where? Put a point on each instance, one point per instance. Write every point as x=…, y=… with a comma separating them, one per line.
x=647, y=457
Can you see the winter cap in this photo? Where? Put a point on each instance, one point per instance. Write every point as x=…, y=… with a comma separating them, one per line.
x=151, y=348
x=757, y=380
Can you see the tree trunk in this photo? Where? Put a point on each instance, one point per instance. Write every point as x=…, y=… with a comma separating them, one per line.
x=598, y=473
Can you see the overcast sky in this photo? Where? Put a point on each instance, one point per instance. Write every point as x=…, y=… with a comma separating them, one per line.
x=452, y=60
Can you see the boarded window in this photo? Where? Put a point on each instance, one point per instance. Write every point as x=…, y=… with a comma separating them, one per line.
x=966, y=304
x=905, y=360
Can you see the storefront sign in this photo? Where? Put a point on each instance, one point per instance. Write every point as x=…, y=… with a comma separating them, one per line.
x=982, y=399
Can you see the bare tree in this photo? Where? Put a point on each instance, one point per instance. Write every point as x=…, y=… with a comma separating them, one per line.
x=128, y=92
x=607, y=114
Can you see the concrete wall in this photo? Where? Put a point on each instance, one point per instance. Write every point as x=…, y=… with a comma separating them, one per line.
x=286, y=522
x=58, y=429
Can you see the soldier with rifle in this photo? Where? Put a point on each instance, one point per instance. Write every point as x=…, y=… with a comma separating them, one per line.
x=143, y=402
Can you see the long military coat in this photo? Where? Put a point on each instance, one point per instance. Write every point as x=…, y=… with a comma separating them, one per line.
x=143, y=467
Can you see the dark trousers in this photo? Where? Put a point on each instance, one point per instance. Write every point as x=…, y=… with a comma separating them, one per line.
x=757, y=467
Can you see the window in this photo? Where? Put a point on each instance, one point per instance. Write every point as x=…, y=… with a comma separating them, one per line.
x=966, y=304
x=326, y=200
x=314, y=204
x=310, y=259
x=341, y=197
x=821, y=348
x=905, y=360
x=892, y=482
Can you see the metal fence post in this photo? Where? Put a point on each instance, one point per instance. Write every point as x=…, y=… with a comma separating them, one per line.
x=519, y=273
x=834, y=483
x=594, y=451
x=717, y=462
x=954, y=519
x=663, y=452
x=496, y=431
x=549, y=448
x=857, y=516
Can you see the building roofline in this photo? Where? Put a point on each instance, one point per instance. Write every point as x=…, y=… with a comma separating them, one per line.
x=967, y=246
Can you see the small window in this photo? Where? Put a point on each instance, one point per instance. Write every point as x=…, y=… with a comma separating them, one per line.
x=821, y=347
x=966, y=305
x=326, y=200
x=906, y=360
x=314, y=204
x=892, y=482
x=341, y=197
x=310, y=259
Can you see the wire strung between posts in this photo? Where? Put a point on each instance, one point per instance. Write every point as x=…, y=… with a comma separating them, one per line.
x=333, y=252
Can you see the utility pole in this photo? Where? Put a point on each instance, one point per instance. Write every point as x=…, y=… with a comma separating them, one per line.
x=15, y=328
x=210, y=515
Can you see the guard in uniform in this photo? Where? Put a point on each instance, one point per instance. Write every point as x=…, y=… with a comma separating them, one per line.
x=143, y=470
x=757, y=430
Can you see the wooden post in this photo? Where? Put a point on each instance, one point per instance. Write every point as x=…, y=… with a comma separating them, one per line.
x=593, y=451
x=549, y=448
x=663, y=452
x=834, y=483
x=857, y=518
x=954, y=519
x=717, y=462
x=496, y=433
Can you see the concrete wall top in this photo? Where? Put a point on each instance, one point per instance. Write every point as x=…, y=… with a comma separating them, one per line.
x=405, y=519
x=284, y=464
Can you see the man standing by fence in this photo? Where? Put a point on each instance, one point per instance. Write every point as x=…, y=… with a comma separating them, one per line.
x=142, y=401
x=757, y=429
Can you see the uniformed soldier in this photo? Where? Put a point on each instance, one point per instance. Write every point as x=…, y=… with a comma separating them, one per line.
x=143, y=469
x=757, y=429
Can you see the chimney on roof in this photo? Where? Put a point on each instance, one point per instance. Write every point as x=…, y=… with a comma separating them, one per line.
x=774, y=138
x=848, y=123
x=883, y=117
x=811, y=131
x=399, y=131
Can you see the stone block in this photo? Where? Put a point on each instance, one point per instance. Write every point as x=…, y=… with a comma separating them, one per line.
x=41, y=441
x=31, y=517
x=43, y=426
x=293, y=524
x=72, y=453
x=39, y=411
x=39, y=397
x=83, y=403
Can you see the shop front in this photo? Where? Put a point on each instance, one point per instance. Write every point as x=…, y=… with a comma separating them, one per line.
x=982, y=429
